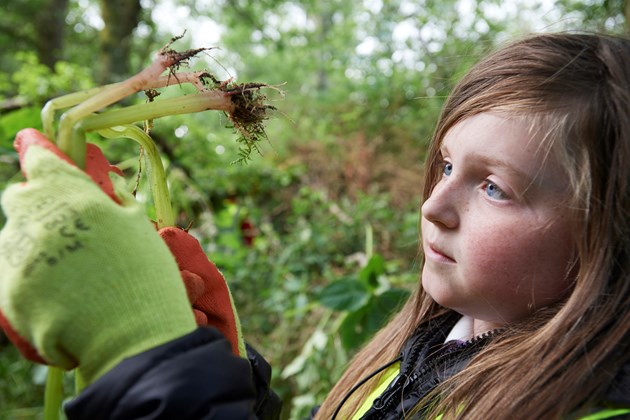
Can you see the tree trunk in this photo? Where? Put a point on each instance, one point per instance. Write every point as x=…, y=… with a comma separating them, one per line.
x=325, y=24
x=49, y=28
x=120, y=17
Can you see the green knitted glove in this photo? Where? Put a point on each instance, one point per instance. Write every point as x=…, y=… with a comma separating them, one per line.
x=84, y=281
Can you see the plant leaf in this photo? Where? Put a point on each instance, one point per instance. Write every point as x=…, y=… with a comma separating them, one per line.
x=374, y=268
x=346, y=294
x=359, y=326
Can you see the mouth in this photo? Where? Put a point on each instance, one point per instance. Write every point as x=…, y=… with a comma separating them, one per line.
x=434, y=253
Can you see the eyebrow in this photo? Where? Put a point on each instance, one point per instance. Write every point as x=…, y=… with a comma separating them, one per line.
x=491, y=161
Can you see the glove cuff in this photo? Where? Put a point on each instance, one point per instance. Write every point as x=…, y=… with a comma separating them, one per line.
x=22, y=345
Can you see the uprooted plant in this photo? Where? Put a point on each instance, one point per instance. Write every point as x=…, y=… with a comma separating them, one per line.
x=244, y=104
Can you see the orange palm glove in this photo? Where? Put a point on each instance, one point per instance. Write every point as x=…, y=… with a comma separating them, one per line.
x=206, y=287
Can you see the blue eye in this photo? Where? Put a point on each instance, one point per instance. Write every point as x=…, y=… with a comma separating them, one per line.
x=447, y=168
x=493, y=191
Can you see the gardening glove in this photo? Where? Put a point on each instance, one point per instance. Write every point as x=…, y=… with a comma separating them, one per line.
x=85, y=280
x=207, y=290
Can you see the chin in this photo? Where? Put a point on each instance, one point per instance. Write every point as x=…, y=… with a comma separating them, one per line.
x=440, y=295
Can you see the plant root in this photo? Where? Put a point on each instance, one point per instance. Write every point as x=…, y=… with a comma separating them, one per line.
x=250, y=112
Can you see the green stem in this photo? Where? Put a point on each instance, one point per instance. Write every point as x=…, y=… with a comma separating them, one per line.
x=79, y=382
x=197, y=102
x=159, y=187
x=369, y=241
x=67, y=139
x=66, y=101
x=53, y=395
x=75, y=98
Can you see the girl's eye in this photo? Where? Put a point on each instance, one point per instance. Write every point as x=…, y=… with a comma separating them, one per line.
x=493, y=191
x=447, y=168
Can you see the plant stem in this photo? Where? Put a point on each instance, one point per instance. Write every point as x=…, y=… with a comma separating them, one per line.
x=79, y=382
x=53, y=394
x=66, y=101
x=75, y=98
x=159, y=187
x=369, y=241
x=69, y=142
x=197, y=102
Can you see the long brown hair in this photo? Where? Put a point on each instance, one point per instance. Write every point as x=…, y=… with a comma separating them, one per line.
x=575, y=91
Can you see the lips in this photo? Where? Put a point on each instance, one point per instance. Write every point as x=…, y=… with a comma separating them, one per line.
x=435, y=253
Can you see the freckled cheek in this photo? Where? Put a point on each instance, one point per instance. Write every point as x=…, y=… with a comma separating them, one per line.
x=498, y=260
x=518, y=263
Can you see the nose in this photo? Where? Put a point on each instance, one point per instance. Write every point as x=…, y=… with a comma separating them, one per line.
x=441, y=206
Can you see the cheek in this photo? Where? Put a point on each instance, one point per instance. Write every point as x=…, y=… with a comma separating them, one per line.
x=519, y=267
x=500, y=254
x=493, y=265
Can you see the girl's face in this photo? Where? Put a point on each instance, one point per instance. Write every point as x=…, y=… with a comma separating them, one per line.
x=496, y=233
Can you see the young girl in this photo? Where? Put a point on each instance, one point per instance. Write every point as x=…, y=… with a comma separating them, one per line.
x=524, y=309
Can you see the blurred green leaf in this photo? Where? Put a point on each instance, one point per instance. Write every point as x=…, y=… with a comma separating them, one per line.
x=389, y=302
x=358, y=326
x=14, y=121
x=374, y=268
x=344, y=295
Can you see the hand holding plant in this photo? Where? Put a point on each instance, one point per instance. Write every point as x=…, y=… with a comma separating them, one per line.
x=59, y=227
x=86, y=281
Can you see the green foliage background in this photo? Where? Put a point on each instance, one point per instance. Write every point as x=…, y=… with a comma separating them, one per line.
x=333, y=200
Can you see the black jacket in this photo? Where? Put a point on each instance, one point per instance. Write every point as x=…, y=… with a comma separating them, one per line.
x=193, y=377
x=197, y=377
x=426, y=361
